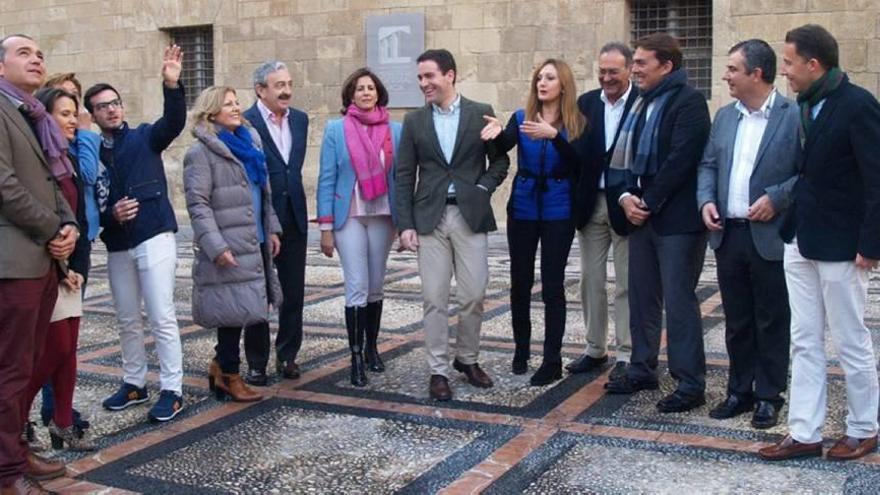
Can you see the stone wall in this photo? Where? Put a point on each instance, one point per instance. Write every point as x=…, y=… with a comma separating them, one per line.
x=496, y=43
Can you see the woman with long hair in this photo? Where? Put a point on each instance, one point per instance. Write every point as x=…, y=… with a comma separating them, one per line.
x=57, y=364
x=235, y=235
x=539, y=210
x=356, y=209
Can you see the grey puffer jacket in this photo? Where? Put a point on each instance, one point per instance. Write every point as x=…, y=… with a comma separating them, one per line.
x=222, y=213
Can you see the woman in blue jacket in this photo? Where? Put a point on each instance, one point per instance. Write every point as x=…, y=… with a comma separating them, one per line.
x=356, y=209
x=539, y=209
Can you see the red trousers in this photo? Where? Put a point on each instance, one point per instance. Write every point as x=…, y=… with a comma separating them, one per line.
x=58, y=367
x=25, y=309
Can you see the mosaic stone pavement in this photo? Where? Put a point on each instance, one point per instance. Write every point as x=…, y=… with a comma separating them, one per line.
x=319, y=434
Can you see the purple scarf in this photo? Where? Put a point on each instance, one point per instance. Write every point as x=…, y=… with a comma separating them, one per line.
x=364, y=146
x=49, y=135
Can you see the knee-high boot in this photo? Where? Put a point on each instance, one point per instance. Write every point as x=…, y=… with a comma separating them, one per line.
x=371, y=352
x=356, y=325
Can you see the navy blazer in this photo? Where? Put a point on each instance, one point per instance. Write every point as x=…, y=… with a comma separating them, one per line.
x=285, y=179
x=671, y=193
x=595, y=160
x=836, y=210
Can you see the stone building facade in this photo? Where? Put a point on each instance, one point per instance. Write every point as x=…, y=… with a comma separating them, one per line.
x=496, y=43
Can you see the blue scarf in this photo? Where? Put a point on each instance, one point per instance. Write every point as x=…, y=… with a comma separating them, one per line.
x=242, y=147
x=641, y=158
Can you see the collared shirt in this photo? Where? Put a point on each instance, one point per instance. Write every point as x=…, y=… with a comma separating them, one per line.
x=613, y=116
x=814, y=112
x=745, y=151
x=281, y=135
x=446, y=126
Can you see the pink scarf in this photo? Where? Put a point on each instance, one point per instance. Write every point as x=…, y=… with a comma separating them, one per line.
x=364, y=146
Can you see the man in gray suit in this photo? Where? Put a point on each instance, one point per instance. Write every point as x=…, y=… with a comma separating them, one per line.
x=744, y=184
x=447, y=213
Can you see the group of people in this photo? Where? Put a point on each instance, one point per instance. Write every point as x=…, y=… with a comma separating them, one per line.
x=783, y=191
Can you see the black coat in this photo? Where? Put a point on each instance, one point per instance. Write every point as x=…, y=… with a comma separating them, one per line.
x=595, y=160
x=836, y=211
x=671, y=193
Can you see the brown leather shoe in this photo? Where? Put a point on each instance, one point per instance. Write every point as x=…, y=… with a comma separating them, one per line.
x=288, y=369
x=475, y=375
x=238, y=390
x=439, y=388
x=852, y=448
x=43, y=469
x=24, y=485
x=789, y=448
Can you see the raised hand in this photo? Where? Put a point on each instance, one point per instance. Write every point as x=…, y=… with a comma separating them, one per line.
x=492, y=128
x=538, y=130
x=172, y=65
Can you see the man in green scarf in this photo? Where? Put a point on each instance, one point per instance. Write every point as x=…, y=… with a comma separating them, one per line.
x=833, y=242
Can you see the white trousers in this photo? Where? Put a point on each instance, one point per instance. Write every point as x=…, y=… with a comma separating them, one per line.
x=363, y=244
x=146, y=273
x=835, y=293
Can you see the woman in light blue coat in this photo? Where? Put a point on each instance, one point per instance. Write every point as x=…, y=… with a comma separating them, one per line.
x=356, y=209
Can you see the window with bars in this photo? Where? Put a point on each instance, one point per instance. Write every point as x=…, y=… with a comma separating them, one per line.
x=197, y=44
x=690, y=21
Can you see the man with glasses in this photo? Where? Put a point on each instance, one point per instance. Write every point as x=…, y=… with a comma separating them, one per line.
x=139, y=227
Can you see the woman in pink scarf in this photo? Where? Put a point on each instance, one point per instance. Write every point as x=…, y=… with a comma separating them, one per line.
x=356, y=209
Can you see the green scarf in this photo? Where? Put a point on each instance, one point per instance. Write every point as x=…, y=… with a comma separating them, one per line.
x=818, y=91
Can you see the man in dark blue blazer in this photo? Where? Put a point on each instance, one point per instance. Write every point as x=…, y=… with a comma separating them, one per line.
x=833, y=242
x=284, y=133
x=599, y=219
x=657, y=153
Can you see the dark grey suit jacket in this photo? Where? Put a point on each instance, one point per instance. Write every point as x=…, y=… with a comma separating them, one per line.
x=775, y=172
x=423, y=174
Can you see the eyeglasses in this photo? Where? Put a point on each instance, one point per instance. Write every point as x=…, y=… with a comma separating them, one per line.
x=100, y=107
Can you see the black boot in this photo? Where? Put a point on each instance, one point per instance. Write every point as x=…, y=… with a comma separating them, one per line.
x=355, y=325
x=371, y=352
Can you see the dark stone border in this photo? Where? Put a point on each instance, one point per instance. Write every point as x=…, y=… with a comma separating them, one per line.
x=861, y=479
x=539, y=407
x=196, y=401
x=116, y=474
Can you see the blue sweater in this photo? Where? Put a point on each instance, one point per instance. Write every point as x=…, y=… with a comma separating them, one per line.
x=542, y=185
x=136, y=170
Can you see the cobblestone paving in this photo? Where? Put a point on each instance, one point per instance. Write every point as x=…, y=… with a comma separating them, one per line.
x=319, y=434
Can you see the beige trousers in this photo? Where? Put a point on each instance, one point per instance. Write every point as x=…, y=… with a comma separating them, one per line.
x=594, y=240
x=452, y=248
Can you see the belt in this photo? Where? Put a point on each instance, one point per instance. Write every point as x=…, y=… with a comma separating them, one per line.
x=737, y=223
x=450, y=200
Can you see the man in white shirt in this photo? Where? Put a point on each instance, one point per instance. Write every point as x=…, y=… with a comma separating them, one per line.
x=745, y=179
x=598, y=229
x=284, y=132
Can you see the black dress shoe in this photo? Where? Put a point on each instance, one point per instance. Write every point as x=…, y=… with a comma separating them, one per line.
x=256, y=377
x=766, y=415
x=731, y=407
x=679, y=402
x=626, y=385
x=618, y=371
x=287, y=369
x=585, y=363
x=546, y=374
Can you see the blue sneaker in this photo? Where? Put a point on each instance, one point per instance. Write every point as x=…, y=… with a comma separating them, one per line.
x=167, y=407
x=127, y=395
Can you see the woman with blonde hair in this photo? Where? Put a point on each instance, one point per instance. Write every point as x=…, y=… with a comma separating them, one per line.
x=235, y=235
x=539, y=210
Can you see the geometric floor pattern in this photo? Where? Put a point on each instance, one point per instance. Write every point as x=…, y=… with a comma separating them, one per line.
x=319, y=434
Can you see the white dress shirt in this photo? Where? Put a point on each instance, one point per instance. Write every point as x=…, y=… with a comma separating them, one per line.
x=613, y=116
x=745, y=151
x=281, y=134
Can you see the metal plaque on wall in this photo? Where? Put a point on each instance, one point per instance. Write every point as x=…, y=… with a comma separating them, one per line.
x=393, y=44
